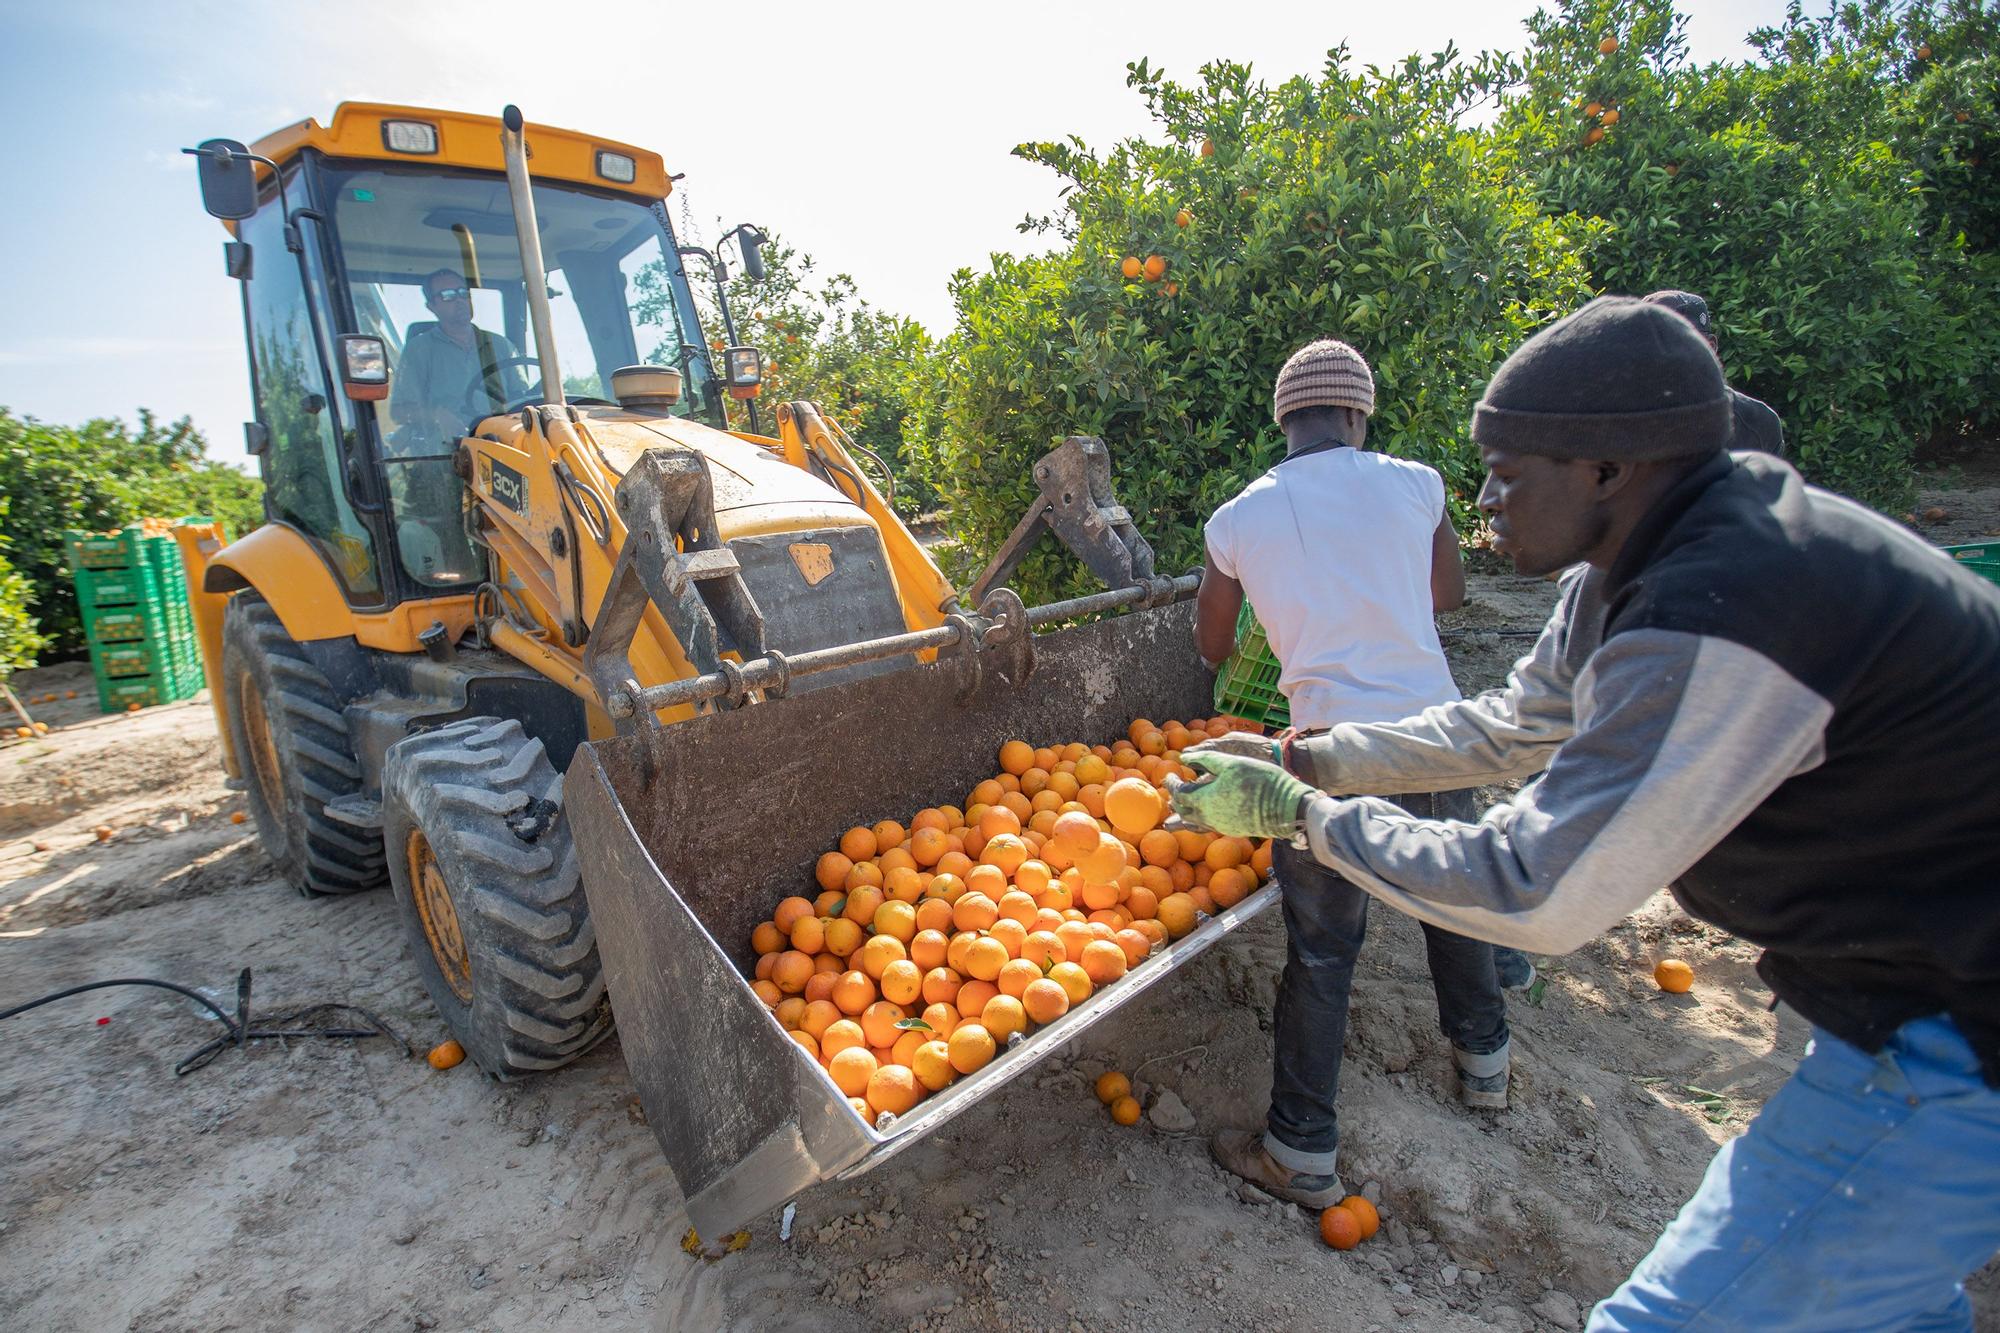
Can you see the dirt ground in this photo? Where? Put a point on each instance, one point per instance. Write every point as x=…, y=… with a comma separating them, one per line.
x=331, y=1185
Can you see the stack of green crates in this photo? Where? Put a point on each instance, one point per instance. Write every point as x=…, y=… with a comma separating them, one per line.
x=133, y=595
x=1247, y=684
x=1982, y=558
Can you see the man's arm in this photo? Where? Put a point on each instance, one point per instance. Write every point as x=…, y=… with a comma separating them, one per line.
x=1682, y=737
x=1447, y=568
x=1215, y=609
x=1499, y=736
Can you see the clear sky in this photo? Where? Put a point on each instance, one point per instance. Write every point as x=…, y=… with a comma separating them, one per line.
x=873, y=136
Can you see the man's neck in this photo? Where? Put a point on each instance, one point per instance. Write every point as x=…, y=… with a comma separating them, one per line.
x=463, y=337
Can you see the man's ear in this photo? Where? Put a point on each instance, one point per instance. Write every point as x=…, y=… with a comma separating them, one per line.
x=1612, y=477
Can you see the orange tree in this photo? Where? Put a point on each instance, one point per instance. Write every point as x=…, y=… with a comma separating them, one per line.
x=1818, y=197
x=866, y=368
x=1187, y=265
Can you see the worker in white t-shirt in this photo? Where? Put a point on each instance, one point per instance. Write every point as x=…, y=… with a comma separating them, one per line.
x=1346, y=556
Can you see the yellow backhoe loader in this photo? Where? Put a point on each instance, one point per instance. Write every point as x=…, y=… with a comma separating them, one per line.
x=587, y=676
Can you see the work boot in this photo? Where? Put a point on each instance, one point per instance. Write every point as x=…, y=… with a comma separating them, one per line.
x=1243, y=1152
x=1482, y=1078
x=1512, y=968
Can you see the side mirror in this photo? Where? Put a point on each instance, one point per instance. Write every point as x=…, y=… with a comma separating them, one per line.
x=364, y=367
x=228, y=180
x=751, y=240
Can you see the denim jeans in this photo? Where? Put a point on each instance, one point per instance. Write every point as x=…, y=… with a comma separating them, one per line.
x=1859, y=1198
x=1325, y=920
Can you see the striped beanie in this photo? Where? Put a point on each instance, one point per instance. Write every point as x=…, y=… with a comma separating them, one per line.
x=1327, y=373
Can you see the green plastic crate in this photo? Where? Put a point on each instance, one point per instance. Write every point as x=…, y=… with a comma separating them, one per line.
x=122, y=549
x=1247, y=684
x=143, y=584
x=117, y=695
x=1982, y=558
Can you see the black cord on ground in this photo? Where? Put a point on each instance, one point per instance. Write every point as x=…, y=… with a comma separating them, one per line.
x=238, y=1030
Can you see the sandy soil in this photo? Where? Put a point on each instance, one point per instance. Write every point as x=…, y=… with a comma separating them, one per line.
x=343, y=1186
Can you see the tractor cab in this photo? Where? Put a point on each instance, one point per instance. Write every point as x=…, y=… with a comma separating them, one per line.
x=388, y=318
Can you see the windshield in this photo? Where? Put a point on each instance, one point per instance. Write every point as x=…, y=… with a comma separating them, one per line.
x=434, y=270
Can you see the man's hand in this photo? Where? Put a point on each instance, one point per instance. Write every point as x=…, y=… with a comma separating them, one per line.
x=1239, y=797
x=1240, y=744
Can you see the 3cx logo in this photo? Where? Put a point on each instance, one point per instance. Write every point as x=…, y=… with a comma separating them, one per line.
x=507, y=486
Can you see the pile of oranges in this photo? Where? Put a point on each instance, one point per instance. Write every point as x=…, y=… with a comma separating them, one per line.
x=928, y=947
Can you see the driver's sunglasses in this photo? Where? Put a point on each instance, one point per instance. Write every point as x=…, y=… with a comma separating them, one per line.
x=452, y=294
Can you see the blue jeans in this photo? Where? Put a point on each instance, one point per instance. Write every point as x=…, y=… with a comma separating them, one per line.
x=1326, y=919
x=1859, y=1198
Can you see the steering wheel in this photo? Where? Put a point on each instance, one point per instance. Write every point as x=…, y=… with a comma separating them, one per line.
x=531, y=394
x=478, y=382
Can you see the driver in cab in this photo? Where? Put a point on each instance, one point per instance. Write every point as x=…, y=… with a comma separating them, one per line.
x=452, y=371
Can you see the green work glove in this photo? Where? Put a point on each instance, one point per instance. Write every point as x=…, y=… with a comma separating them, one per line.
x=1238, y=797
x=1244, y=744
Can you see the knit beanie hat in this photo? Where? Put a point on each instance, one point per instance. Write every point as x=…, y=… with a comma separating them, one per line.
x=1618, y=379
x=1326, y=373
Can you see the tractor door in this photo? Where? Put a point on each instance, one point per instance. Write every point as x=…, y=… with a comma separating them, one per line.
x=305, y=475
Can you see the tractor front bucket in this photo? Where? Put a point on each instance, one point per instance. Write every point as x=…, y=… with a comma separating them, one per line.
x=690, y=834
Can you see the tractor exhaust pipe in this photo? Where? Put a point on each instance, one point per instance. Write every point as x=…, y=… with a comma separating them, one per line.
x=533, y=275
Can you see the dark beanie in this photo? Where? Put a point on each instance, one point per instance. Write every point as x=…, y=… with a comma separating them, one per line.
x=1618, y=379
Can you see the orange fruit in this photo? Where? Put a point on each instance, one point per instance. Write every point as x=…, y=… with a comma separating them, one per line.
x=974, y=911
x=1611, y=116
x=851, y=1070
x=792, y=970
x=1260, y=860
x=790, y=910
x=941, y=985
x=880, y=951
x=789, y=1011
x=1594, y=136
x=809, y=935
x=766, y=939
x=1674, y=976
x=1091, y=770
x=932, y=1066
x=1043, y=947
x=1073, y=935
x=954, y=952
x=1073, y=979
x=1193, y=846
x=1011, y=934
x=972, y=998
x=853, y=992
x=927, y=948
x=1207, y=148
x=1183, y=218
x=1339, y=1228
x=878, y=1023
x=1102, y=863
x=445, y=1054
x=1135, y=945
x=903, y=884
x=1228, y=888
x=806, y=1042
x=237, y=817
x=843, y=936
x=1103, y=961
x=1177, y=913
x=907, y=1041
x=1155, y=268
x=1016, y=757
x=841, y=1035
x=1593, y=109
x=1017, y=976
x=1017, y=906
x=1125, y=1111
x=1076, y=833
x=1005, y=851
x=819, y=1016
x=984, y=958
x=1364, y=1213
x=1142, y=904
x=927, y=846
x=934, y=914
x=1131, y=268
x=970, y=1048
x=830, y=903
x=1003, y=1016
x=858, y=844
x=998, y=819
x=1097, y=897
x=1032, y=878
x=930, y=817
x=942, y=1019
x=1152, y=930
x=1044, y=1000
x=765, y=963
x=861, y=904
x=988, y=792
x=945, y=887
x=1607, y=46
x=768, y=992
x=888, y=835
x=1226, y=853
x=1133, y=805
x=1157, y=847
x=831, y=872
x=902, y=982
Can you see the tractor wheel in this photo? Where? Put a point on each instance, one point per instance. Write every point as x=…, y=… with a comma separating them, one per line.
x=291, y=741
x=486, y=877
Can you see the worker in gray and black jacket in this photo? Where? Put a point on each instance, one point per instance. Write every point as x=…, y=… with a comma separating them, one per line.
x=1785, y=708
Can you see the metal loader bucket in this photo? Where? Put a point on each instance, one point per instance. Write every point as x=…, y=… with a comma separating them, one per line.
x=690, y=834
